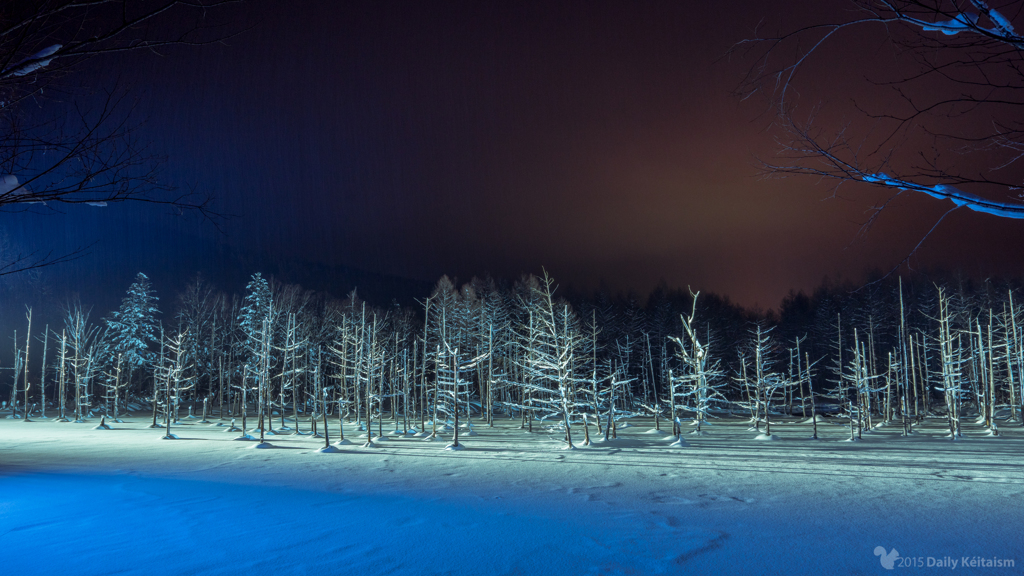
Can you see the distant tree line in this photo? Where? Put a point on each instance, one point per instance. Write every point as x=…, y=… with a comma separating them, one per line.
x=891, y=351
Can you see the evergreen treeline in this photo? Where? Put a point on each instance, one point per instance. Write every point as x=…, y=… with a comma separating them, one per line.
x=890, y=351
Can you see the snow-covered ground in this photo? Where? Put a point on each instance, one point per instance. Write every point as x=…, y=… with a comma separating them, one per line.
x=74, y=500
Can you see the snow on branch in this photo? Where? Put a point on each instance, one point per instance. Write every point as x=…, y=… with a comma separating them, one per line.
x=34, y=62
x=944, y=191
x=963, y=21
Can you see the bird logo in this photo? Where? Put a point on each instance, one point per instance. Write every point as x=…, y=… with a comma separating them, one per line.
x=887, y=559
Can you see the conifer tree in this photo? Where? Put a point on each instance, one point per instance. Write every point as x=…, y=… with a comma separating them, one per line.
x=133, y=326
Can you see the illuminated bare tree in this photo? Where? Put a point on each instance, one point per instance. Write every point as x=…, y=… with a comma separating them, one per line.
x=84, y=344
x=114, y=382
x=698, y=391
x=552, y=357
x=951, y=356
x=172, y=374
x=441, y=340
x=767, y=382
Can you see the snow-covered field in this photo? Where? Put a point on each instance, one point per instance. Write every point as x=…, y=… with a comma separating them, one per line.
x=74, y=500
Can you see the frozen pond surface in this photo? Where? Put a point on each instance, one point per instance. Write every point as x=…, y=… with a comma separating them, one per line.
x=79, y=501
x=99, y=524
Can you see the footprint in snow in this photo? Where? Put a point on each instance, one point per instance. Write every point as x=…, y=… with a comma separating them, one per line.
x=607, y=485
x=717, y=498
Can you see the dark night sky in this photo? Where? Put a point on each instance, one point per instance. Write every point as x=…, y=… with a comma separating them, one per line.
x=599, y=140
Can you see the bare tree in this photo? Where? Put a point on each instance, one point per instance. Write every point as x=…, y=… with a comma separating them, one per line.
x=197, y=307
x=60, y=145
x=553, y=358
x=951, y=127
x=698, y=392
x=767, y=382
x=173, y=374
x=86, y=344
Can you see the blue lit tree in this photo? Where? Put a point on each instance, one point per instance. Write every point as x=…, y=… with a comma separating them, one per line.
x=255, y=322
x=133, y=326
x=698, y=391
